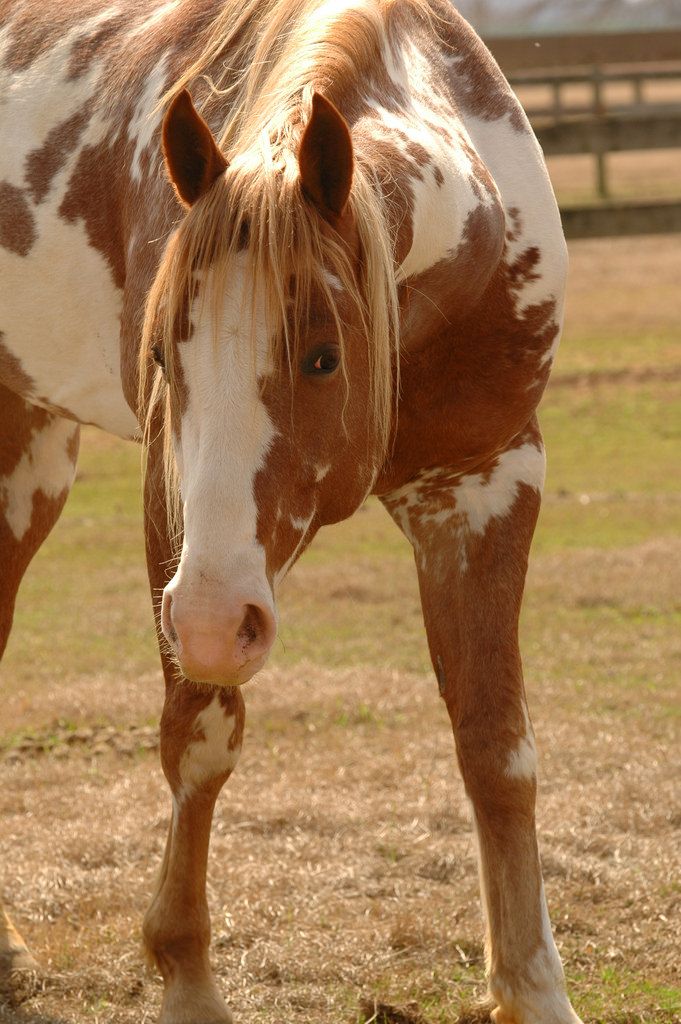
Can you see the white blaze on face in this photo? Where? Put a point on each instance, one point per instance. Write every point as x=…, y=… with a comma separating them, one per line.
x=225, y=435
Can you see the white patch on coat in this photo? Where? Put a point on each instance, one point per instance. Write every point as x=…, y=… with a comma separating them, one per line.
x=440, y=211
x=522, y=761
x=298, y=524
x=321, y=472
x=538, y=995
x=301, y=524
x=146, y=117
x=471, y=505
x=541, y=995
x=45, y=467
x=480, y=499
x=477, y=497
x=333, y=281
x=482, y=882
x=225, y=435
x=154, y=19
x=210, y=756
x=60, y=314
x=38, y=98
x=59, y=308
x=516, y=163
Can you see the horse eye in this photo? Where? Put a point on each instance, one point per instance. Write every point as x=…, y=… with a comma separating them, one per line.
x=158, y=357
x=323, y=360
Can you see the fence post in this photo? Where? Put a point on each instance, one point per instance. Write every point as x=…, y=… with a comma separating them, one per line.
x=638, y=90
x=599, y=152
x=557, y=99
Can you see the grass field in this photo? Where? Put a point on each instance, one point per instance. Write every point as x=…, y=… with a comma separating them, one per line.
x=342, y=876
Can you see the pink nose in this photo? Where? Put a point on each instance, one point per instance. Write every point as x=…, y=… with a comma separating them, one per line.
x=225, y=645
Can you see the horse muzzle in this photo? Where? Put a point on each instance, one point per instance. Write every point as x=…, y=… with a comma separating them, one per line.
x=218, y=639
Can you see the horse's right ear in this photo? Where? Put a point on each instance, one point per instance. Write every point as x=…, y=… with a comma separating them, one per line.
x=192, y=157
x=326, y=159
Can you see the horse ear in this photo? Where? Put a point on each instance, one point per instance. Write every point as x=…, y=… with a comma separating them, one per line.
x=325, y=159
x=191, y=154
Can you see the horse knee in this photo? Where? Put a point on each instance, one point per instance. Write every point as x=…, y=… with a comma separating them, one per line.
x=498, y=766
x=202, y=755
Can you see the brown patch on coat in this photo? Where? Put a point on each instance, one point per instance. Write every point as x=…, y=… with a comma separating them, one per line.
x=12, y=373
x=35, y=28
x=45, y=162
x=320, y=423
x=87, y=49
x=482, y=686
x=395, y=173
x=17, y=224
x=472, y=362
x=474, y=78
x=93, y=198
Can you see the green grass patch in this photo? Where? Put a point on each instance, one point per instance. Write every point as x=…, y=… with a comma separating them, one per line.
x=619, y=996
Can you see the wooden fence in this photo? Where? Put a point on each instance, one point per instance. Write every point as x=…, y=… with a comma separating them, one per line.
x=599, y=127
x=516, y=55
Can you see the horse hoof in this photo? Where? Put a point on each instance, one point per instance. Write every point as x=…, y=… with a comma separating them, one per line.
x=17, y=960
x=19, y=976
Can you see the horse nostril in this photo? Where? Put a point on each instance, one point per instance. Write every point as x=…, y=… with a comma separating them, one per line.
x=251, y=626
x=167, y=618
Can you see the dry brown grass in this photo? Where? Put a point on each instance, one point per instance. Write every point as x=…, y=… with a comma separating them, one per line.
x=627, y=288
x=343, y=871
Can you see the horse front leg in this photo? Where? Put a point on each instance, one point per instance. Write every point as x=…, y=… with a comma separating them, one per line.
x=201, y=735
x=471, y=535
x=38, y=453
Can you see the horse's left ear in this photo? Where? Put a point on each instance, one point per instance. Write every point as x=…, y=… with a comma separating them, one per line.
x=192, y=156
x=326, y=159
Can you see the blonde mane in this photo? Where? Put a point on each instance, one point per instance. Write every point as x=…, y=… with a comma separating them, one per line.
x=287, y=49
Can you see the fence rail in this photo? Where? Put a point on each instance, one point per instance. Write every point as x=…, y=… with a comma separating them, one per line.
x=613, y=219
x=611, y=133
x=599, y=127
x=584, y=49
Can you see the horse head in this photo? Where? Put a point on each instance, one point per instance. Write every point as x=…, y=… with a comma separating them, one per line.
x=277, y=373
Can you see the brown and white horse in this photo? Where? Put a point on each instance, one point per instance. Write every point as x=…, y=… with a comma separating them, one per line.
x=355, y=287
